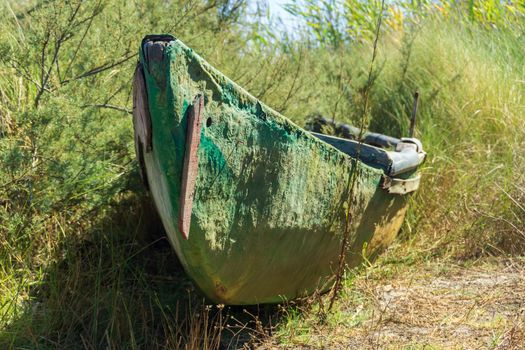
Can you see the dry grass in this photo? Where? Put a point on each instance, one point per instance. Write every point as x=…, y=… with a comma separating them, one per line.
x=431, y=305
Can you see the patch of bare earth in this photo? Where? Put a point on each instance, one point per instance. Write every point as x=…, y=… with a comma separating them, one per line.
x=432, y=307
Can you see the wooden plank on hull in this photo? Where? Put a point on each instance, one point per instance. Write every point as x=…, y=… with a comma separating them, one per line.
x=191, y=164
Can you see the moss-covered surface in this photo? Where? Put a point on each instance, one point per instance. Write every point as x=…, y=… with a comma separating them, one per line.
x=270, y=199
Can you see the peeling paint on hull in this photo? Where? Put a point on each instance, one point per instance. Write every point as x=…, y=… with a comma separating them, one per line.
x=270, y=199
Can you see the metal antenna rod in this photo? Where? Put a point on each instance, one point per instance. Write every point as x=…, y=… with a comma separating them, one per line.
x=413, y=117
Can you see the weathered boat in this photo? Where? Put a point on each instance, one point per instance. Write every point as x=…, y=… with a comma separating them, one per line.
x=255, y=206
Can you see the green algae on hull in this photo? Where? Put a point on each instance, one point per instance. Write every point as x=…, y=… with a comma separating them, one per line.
x=270, y=199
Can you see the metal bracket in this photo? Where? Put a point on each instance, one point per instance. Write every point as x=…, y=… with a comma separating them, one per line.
x=400, y=186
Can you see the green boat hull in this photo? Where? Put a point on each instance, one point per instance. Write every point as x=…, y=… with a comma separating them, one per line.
x=270, y=200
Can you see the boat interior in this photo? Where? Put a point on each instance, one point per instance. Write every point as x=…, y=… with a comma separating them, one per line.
x=392, y=155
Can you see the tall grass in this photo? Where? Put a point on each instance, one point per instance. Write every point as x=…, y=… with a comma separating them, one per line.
x=471, y=121
x=83, y=261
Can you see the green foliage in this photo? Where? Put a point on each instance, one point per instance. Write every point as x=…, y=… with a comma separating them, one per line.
x=75, y=267
x=322, y=17
x=333, y=22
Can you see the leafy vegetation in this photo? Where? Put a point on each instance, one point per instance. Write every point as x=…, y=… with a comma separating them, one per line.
x=83, y=262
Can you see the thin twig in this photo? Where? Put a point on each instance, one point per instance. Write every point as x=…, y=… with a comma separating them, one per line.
x=65, y=35
x=101, y=68
x=105, y=105
x=355, y=169
x=90, y=19
x=291, y=90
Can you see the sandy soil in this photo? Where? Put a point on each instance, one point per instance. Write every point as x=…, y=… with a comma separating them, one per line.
x=467, y=308
x=435, y=306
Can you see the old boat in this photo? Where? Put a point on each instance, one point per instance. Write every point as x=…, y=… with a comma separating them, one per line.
x=255, y=206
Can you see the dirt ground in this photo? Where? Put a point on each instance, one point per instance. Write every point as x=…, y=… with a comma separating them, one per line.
x=435, y=306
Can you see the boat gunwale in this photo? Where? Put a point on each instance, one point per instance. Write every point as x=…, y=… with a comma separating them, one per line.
x=274, y=115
